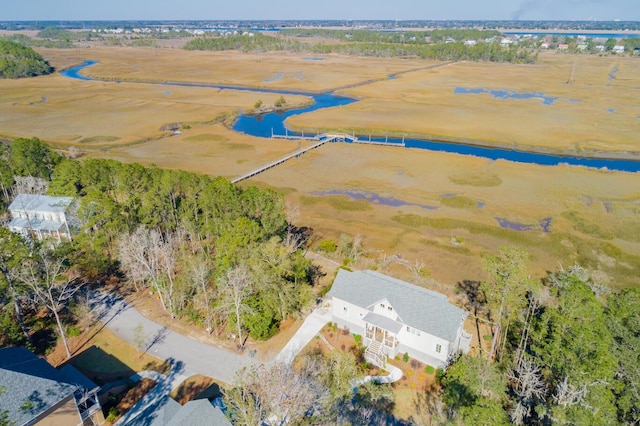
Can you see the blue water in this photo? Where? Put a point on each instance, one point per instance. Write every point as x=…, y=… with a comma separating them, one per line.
x=611, y=110
x=313, y=59
x=509, y=94
x=75, y=71
x=372, y=197
x=264, y=124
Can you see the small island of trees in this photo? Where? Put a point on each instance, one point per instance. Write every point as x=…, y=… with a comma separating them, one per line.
x=18, y=61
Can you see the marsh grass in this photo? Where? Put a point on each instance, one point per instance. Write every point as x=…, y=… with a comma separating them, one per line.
x=237, y=146
x=205, y=137
x=458, y=202
x=338, y=202
x=482, y=180
x=447, y=247
x=99, y=139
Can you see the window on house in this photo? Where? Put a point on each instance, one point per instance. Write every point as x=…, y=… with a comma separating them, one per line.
x=345, y=310
x=408, y=329
x=390, y=308
x=382, y=305
x=417, y=332
x=438, y=348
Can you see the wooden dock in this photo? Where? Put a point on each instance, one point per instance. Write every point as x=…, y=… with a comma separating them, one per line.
x=279, y=161
x=321, y=140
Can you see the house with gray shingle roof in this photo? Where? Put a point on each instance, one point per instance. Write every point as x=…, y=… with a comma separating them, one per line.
x=35, y=392
x=40, y=216
x=395, y=317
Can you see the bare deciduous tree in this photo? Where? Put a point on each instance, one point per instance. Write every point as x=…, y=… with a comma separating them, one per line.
x=146, y=255
x=30, y=185
x=567, y=394
x=234, y=289
x=276, y=394
x=50, y=283
x=529, y=387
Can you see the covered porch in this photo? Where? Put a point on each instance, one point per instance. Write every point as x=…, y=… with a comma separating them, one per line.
x=383, y=331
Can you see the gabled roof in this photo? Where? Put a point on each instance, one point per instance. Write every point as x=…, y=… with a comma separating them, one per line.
x=170, y=413
x=417, y=307
x=31, y=385
x=40, y=203
x=199, y=412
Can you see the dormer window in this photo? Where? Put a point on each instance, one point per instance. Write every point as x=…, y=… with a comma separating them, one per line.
x=390, y=309
x=382, y=305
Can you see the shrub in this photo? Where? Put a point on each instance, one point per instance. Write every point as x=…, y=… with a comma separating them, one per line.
x=358, y=339
x=327, y=246
x=113, y=415
x=429, y=369
x=280, y=102
x=410, y=373
x=73, y=331
x=405, y=357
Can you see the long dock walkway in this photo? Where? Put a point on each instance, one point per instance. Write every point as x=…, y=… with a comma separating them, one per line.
x=322, y=139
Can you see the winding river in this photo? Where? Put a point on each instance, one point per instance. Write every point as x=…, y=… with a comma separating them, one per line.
x=263, y=125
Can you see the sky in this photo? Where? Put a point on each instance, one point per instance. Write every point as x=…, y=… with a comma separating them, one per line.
x=29, y=10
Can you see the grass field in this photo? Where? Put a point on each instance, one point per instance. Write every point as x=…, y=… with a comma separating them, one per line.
x=593, y=213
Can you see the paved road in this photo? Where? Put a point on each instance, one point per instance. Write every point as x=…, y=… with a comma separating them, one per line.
x=194, y=357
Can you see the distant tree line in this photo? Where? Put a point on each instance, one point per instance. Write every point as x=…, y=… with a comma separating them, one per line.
x=403, y=37
x=18, y=61
x=493, y=51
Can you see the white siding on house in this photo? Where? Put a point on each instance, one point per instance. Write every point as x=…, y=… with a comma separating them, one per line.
x=383, y=307
x=425, y=343
x=346, y=314
x=420, y=322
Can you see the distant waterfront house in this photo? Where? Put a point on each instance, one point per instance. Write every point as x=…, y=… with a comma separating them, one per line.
x=395, y=317
x=618, y=49
x=40, y=216
x=36, y=393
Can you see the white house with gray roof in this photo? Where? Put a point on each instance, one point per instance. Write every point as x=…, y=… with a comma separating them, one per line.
x=40, y=216
x=395, y=317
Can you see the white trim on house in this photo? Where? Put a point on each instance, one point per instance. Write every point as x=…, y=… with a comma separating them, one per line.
x=397, y=317
x=40, y=216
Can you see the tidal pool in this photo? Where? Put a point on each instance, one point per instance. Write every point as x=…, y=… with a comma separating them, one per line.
x=543, y=225
x=510, y=94
x=374, y=198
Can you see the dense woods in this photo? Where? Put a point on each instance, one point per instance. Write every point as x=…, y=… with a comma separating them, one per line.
x=568, y=352
x=371, y=43
x=18, y=61
x=213, y=252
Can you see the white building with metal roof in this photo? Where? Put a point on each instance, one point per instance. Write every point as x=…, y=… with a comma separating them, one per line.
x=395, y=317
x=40, y=216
